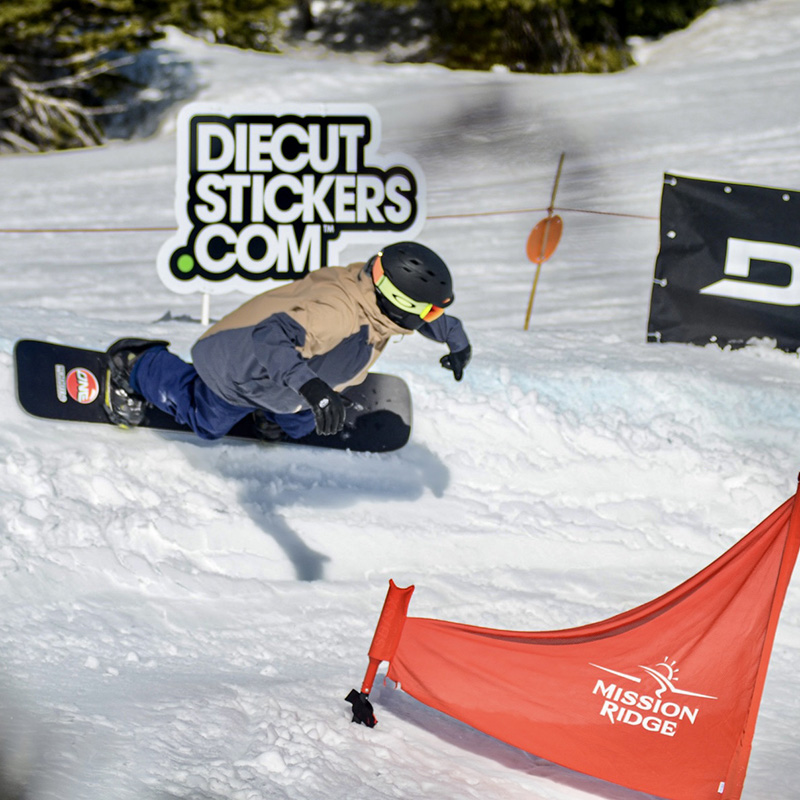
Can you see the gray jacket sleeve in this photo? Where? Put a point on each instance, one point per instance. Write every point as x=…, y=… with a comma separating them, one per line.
x=448, y=330
x=275, y=343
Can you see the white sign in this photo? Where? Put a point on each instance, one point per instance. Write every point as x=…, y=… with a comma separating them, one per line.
x=271, y=194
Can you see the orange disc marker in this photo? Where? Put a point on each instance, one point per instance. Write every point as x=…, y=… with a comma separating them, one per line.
x=544, y=239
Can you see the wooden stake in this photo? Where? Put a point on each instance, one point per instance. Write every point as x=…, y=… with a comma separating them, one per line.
x=543, y=250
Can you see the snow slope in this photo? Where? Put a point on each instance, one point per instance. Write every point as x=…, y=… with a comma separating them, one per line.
x=183, y=620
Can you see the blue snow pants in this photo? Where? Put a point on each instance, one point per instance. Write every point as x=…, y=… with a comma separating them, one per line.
x=174, y=386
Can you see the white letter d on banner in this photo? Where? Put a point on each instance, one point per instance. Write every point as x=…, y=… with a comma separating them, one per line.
x=738, y=256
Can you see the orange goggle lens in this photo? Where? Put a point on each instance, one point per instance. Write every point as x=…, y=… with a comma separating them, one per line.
x=433, y=314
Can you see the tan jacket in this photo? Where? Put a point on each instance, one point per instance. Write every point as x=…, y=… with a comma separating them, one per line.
x=326, y=325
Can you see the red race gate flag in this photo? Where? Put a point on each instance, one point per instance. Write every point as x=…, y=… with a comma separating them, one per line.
x=662, y=699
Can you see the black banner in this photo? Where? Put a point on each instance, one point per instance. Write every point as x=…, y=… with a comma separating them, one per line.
x=728, y=269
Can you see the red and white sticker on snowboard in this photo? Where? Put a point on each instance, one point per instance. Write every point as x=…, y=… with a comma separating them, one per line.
x=79, y=383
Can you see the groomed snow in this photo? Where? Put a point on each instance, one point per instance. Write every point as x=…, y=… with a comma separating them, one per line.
x=183, y=620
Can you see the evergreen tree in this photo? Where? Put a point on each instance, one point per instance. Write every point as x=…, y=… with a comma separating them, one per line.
x=250, y=24
x=643, y=18
x=56, y=68
x=58, y=57
x=546, y=35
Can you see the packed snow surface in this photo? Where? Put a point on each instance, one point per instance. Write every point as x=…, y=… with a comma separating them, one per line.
x=183, y=619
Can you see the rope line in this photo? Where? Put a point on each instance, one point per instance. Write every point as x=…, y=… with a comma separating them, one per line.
x=487, y=213
x=431, y=217
x=607, y=213
x=83, y=230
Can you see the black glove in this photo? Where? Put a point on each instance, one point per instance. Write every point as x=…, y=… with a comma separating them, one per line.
x=326, y=404
x=457, y=361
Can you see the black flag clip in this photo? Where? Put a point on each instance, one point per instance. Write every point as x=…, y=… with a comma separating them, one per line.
x=362, y=708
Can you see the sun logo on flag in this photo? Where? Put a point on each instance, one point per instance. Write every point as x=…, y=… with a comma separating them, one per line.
x=665, y=674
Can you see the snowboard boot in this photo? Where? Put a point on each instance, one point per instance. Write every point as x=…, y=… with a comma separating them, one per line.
x=267, y=430
x=123, y=406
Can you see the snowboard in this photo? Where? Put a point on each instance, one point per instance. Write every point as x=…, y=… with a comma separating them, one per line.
x=68, y=383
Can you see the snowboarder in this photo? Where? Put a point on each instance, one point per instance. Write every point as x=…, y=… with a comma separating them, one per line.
x=285, y=355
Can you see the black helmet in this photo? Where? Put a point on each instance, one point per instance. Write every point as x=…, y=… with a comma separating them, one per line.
x=412, y=283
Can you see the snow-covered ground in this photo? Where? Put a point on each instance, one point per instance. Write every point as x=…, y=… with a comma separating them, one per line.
x=181, y=619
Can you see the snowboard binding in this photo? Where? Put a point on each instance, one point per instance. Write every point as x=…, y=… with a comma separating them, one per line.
x=123, y=406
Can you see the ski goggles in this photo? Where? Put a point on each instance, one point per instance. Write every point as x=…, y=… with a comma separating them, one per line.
x=427, y=311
